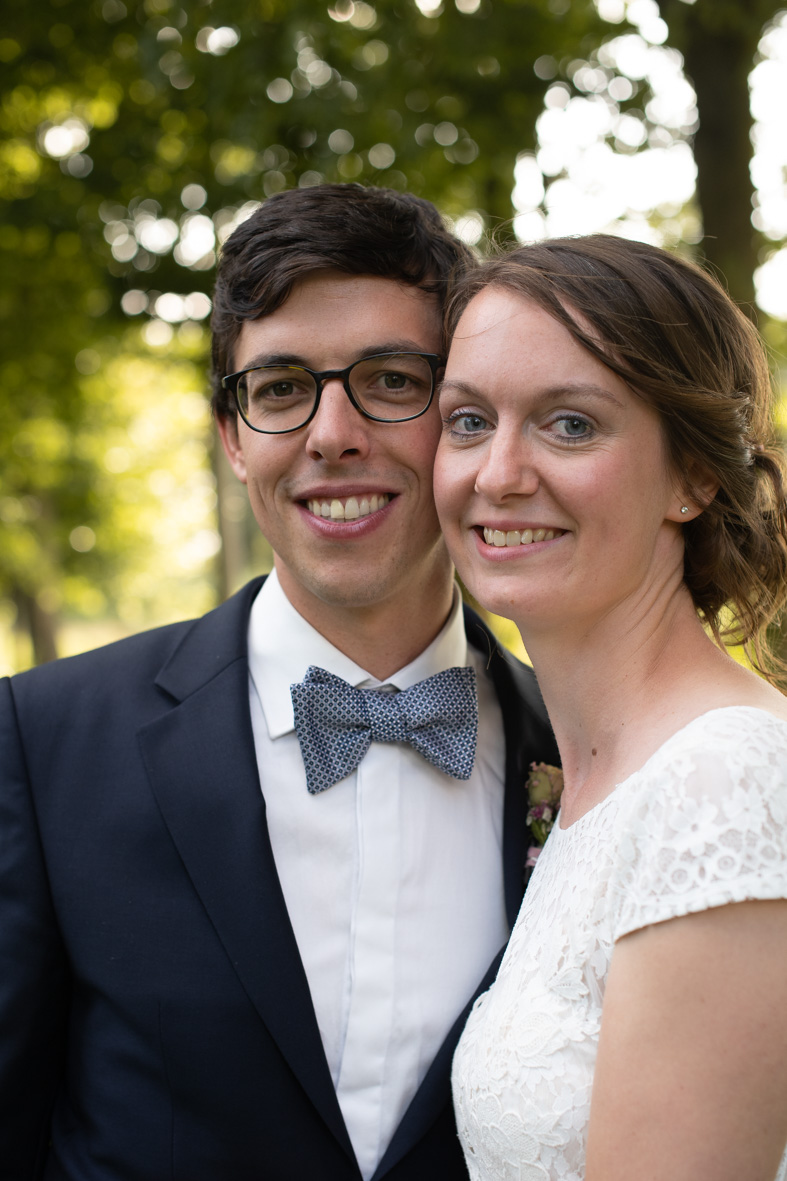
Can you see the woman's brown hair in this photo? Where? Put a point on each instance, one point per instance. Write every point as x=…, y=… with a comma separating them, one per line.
x=670, y=331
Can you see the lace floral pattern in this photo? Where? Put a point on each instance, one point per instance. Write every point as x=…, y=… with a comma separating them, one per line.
x=703, y=823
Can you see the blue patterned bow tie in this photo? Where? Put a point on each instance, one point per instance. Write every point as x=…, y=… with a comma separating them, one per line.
x=337, y=723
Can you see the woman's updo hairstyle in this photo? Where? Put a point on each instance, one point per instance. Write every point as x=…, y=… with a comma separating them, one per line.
x=671, y=332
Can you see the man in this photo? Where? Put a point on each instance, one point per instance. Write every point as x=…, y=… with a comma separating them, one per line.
x=228, y=952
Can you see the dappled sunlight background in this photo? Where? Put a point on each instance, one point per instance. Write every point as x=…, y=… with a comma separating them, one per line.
x=146, y=557
x=137, y=136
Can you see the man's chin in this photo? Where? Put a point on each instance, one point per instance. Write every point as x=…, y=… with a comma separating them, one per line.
x=387, y=578
x=343, y=593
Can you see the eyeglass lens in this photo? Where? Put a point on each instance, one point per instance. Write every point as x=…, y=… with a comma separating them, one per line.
x=392, y=388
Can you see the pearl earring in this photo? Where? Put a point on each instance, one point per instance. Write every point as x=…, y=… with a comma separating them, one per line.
x=684, y=508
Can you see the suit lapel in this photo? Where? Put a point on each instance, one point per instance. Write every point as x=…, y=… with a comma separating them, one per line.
x=528, y=737
x=202, y=767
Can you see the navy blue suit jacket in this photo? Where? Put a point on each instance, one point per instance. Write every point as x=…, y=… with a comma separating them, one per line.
x=155, y=1018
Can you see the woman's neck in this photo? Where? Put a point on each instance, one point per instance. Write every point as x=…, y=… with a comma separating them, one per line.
x=616, y=688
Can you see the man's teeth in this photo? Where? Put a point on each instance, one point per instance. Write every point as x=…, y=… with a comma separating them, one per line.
x=348, y=509
x=514, y=537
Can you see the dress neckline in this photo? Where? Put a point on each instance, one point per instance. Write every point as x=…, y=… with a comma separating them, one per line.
x=751, y=709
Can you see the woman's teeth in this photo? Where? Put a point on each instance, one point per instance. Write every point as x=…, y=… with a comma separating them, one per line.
x=514, y=537
x=349, y=508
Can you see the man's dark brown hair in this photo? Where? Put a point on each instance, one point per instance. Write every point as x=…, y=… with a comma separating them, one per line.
x=340, y=227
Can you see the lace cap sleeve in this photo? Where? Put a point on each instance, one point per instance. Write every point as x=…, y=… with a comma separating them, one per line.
x=704, y=823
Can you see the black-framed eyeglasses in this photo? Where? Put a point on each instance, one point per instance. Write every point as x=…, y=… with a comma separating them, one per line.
x=388, y=387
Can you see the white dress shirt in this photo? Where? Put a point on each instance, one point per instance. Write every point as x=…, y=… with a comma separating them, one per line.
x=393, y=877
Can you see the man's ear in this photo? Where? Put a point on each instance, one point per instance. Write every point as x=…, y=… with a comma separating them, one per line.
x=694, y=491
x=227, y=425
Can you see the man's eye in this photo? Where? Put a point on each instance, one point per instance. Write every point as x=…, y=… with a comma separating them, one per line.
x=398, y=381
x=272, y=390
x=395, y=381
x=265, y=390
x=277, y=389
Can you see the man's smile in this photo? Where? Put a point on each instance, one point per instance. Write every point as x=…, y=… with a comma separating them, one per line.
x=348, y=508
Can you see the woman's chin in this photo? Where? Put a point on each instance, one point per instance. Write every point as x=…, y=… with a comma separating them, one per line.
x=526, y=585
x=497, y=601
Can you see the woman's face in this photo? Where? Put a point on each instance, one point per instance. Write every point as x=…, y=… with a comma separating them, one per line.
x=551, y=479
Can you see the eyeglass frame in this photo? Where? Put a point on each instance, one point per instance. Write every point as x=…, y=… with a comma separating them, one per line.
x=231, y=381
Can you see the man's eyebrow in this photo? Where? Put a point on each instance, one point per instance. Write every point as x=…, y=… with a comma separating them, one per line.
x=278, y=359
x=394, y=346
x=372, y=350
x=580, y=389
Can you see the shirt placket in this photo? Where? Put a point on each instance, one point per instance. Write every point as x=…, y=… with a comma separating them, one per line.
x=371, y=1008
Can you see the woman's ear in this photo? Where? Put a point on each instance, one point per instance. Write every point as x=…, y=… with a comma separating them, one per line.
x=693, y=493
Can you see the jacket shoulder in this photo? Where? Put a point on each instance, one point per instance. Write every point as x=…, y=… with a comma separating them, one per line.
x=143, y=653
x=196, y=644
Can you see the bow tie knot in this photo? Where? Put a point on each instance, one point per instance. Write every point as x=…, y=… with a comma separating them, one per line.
x=336, y=723
x=387, y=719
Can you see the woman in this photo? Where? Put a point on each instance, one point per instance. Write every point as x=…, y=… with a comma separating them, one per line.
x=606, y=478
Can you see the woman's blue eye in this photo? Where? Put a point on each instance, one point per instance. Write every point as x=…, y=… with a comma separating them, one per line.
x=467, y=424
x=571, y=426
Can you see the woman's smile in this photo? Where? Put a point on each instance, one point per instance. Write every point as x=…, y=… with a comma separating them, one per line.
x=517, y=537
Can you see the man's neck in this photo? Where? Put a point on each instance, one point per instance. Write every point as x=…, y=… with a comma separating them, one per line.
x=382, y=637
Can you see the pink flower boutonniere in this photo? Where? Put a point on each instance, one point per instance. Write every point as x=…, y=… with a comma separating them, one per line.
x=544, y=785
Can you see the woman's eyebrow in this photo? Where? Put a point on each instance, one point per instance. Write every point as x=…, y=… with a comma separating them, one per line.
x=564, y=389
x=460, y=387
x=583, y=389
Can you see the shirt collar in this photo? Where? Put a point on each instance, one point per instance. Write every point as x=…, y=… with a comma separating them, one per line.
x=282, y=645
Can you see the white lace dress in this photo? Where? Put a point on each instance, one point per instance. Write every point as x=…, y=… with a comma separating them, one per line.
x=703, y=823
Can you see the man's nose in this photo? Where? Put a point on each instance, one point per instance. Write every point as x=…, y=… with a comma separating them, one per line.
x=337, y=428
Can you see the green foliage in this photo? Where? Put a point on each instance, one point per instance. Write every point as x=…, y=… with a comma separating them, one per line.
x=127, y=125
x=112, y=512
x=133, y=136
x=379, y=94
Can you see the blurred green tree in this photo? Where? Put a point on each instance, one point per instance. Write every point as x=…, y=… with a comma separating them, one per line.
x=135, y=135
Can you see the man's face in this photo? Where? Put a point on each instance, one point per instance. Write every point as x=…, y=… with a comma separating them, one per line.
x=381, y=541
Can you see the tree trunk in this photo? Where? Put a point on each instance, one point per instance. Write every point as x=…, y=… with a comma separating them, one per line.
x=718, y=40
x=40, y=625
x=233, y=511
x=719, y=66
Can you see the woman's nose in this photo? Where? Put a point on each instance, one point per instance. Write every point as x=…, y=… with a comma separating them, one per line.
x=508, y=468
